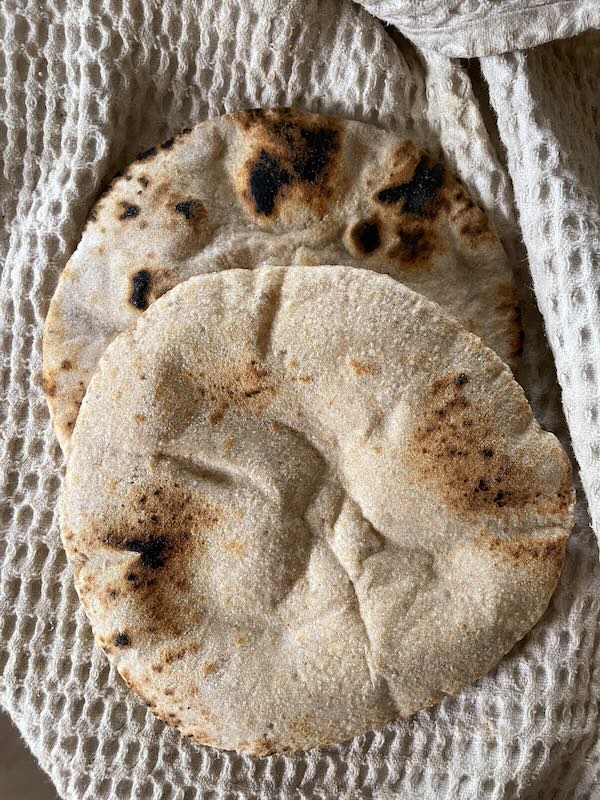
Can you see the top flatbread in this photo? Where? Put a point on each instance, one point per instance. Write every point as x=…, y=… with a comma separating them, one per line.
x=301, y=503
x=280, y=187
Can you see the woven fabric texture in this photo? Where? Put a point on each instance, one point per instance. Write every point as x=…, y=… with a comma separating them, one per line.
x=548, y=106
x=468, y=28
x=84, y=86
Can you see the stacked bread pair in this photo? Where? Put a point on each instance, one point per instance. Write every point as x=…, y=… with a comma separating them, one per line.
x=304, y=493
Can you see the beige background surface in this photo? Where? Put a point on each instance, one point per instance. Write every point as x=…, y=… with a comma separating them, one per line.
x=20, y=776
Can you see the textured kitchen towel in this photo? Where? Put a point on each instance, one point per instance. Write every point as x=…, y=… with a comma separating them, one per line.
x=86, y=85
x=467, y=28
x=548, y=105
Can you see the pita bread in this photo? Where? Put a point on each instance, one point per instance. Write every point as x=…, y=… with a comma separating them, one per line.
x=301, y=503
x=279, y=187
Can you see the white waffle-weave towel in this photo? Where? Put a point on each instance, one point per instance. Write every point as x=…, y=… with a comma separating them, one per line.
x=84, y=85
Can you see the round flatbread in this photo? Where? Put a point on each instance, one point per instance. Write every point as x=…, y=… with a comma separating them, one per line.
x=279, y=187
x=301, y=503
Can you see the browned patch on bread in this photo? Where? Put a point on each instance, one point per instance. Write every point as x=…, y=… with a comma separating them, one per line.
x=168, y=703
x=306, y=732
x=467, y=460
x=244, y=384
x=403, y=160
x=140, y=688
x=409, y=207
x=192, y=210
x=208, y=715
x=184, y=215
x=172, y=654
x=260, y=747
x=415, y=245
x=89, y=582
x=248, y=119
x=208, y=667
x=163, y=280
x=201, y=736
x=532, y=554
x=293, y=364
x=302, y=727
x=170, y=717
x=106, y=188
x=361, y=367
x=148, y=283
x=294, y=159
x=235, y=546
x=71, y=394
x=472, y=223
x=49, y=383
x=160, y=527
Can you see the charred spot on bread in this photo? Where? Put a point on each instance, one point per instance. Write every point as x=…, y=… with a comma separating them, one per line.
x=420, y=193
x=140, y=288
